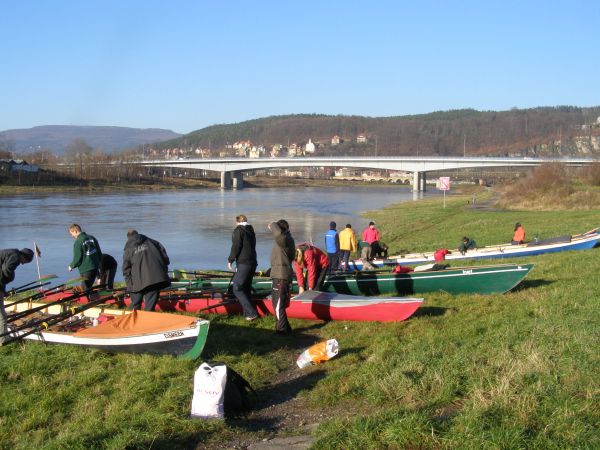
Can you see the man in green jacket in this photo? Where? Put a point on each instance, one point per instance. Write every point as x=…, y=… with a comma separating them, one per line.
x=86, y=255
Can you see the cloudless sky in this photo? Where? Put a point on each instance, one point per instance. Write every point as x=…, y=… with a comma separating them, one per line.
x=184, y=65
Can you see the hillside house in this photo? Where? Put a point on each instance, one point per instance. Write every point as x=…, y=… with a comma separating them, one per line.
x=310, y=147
x=17, y=165
x=361, y=139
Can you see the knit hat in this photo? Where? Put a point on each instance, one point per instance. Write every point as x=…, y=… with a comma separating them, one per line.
x=27, y=253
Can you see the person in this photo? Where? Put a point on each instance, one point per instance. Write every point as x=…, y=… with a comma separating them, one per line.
x=243, y=254
x=282, y=255
x=519, y=236
x=10, y=259
x=466, y=244
x=332, y=246
x=440, y=254
x=315, y=262
x=108, y=270
x=145, y=269
x=86, y=255
x=347, y=245
x=370, y=235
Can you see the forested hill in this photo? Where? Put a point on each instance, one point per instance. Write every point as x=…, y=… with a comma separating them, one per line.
x=538, y=131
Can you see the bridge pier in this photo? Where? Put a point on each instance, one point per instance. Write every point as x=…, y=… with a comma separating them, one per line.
x=419, y=181
x=225, y=180
x=238, y=180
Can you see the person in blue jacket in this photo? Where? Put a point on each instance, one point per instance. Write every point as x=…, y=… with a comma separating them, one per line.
x=332, y=246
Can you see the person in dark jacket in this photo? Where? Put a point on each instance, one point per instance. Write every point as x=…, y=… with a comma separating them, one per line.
x=108, y=270
x=282, y=255
x=9, y=261
x=466, y=244
x=243, y=254
x=145, y=268
x=86, y=255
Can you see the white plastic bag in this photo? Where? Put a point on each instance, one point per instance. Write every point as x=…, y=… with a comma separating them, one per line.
x=318, y=353
x=209, y=391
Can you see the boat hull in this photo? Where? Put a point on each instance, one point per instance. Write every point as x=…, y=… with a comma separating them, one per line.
x=583, y=242
x=177, y=335
x=495, y=279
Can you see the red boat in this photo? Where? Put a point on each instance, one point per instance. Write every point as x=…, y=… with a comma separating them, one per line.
x=311, y=305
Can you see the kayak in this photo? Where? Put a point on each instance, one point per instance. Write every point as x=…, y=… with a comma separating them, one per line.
x=114, y=330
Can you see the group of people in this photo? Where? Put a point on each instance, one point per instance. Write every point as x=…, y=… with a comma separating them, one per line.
x=145, y=264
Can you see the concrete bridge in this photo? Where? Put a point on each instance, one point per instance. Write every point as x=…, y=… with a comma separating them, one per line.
x=231, y=169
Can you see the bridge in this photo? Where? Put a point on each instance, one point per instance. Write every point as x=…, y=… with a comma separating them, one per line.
x=231, y=169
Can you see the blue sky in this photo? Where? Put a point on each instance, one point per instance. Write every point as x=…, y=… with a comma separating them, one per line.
x=185, y=65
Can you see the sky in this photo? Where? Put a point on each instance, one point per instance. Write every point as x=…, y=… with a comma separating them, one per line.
x=185, y=65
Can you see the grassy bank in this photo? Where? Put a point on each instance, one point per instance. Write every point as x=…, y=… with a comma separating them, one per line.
x=518, y=370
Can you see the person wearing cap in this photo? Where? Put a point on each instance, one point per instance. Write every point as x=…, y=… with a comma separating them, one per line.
x=145, y=269
x=347, y=245
x=87, y=256
x=332, y=247
x=519, y=236
x=10, y=259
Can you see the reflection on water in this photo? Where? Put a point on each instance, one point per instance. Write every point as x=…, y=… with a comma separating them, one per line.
x=194, y=226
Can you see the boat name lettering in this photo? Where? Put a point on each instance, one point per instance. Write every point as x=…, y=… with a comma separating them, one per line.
x=172, y=334
x=467, y=271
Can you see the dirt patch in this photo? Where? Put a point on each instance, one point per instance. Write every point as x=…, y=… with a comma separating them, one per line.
x=282, y=419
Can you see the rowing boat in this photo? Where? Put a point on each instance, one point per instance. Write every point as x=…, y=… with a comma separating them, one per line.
x=559, y=244
x=114, y=330
x=311, y=305
x=491, y=279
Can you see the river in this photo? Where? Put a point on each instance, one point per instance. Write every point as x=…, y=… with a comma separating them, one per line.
x=194, y=225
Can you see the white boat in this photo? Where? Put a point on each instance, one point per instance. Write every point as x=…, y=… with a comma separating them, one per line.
x=119, y=331
x=562, y=243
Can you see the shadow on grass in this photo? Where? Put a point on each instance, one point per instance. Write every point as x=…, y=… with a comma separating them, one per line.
x=275, y=395
x=432, y=311
x=239, y=339
x=531, y=284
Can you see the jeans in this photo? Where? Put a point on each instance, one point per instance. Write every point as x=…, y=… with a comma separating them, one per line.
x=149, y=295
x=242, y=288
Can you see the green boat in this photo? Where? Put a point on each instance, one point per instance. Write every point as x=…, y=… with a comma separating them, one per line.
x=493, y=279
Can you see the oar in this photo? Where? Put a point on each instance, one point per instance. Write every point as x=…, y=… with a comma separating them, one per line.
x=69, y=298
x=38, y=281
x=44, y=324
x=220, y=274
x=216, y=305
x=53, y=290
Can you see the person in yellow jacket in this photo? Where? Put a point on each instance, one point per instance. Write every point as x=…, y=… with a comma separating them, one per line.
x=347, y=245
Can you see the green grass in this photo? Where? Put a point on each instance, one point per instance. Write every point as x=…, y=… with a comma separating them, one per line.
x=518, y=370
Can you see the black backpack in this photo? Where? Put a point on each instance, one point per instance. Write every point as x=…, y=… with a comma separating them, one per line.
x=239, y=396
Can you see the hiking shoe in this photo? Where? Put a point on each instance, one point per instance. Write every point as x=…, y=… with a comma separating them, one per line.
x=251, y=318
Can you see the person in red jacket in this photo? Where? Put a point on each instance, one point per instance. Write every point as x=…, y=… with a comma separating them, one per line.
x=519, y=236
x=315, y=262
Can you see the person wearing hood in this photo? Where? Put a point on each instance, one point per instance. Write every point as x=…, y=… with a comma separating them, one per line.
x=10, y=259
x=243, y=254
x=145, y=269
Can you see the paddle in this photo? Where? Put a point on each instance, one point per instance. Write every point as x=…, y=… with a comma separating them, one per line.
x=29, y=285
x=53, y=290
x=44, y=324
x=201, y=274
x=69, y=298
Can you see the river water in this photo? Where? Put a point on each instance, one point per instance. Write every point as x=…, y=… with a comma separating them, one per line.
x=194, y=225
